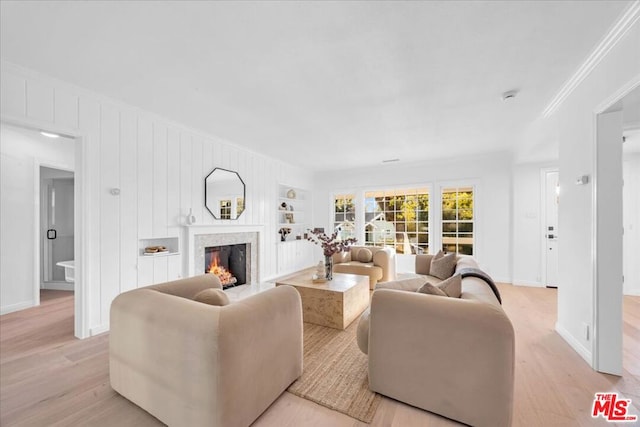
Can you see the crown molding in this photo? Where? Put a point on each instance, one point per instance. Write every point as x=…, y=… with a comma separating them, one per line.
x=613, y=36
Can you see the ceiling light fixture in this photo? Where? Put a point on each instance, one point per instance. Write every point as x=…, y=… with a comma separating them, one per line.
x=49, y=134
x=510, y=94
x=390, y=160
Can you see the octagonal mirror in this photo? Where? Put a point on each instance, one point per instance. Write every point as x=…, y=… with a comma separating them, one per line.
x=224, y=194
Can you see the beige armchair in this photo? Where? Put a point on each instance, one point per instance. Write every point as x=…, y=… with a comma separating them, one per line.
x=379, y=264
x=192, y=364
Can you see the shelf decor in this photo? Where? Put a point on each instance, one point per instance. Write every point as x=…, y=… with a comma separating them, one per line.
x=284, y=231
x=292, y=212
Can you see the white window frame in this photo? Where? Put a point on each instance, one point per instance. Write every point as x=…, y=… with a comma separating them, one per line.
x=477, y=227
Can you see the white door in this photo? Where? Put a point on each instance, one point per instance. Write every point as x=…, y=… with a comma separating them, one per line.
x=551, y=228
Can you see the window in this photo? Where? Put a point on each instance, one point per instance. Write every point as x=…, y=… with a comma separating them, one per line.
x=239, y=206
x=399, y=219
x=457, y=220
x=225, y=209
x=344, y=215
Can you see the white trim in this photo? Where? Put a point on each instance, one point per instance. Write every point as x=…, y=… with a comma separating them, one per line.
x=529, y=283
x=96, y=330
x=16, y=307
x=58, y=286
x=618, y=95
x=608, y=42
x=575, y=344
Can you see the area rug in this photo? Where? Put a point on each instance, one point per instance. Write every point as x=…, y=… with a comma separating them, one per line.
x=335, y=372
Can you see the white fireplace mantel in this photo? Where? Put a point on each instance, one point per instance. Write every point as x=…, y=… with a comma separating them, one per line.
x=193, y=231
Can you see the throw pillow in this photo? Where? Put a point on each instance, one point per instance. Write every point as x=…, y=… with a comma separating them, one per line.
x=443, y=266
x=365, y=255
x=430, y=289
x=452, y=287
x=212, y=296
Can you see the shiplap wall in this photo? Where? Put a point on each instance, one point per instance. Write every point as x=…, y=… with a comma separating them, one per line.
x=159, y=167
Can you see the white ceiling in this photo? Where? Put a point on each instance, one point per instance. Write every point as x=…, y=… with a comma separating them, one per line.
x=324, y=85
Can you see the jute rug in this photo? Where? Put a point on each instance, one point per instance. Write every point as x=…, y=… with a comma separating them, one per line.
x=335, y=372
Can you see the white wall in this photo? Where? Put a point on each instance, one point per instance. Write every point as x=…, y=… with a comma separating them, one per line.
x=158, y=165
x=528, y=227
x=491, y=174
x=631, y=221
x=21, y=155
x=576, y=132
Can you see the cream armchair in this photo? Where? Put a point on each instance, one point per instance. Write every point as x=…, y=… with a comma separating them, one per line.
x=379, y=264
x=192, y=364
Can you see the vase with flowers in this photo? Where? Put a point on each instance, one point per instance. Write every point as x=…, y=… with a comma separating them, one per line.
x=330, y=245
x=284, y=231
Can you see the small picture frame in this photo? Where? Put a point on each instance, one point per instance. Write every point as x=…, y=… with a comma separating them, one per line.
x=318, y=230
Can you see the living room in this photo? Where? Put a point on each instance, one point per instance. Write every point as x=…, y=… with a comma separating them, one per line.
x=146, y=135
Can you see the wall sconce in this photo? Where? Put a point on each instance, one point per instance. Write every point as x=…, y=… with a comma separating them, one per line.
x=115, y=191
x=191, y=218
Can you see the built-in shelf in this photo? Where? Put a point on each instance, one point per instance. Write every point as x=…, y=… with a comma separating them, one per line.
x=171, y=243
x=158, y=254
x=293, y=254
x=292, y=212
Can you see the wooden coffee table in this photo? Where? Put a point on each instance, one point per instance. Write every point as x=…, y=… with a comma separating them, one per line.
x=335, y=303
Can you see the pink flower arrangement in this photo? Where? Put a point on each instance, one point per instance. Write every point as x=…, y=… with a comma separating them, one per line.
x=330, y=244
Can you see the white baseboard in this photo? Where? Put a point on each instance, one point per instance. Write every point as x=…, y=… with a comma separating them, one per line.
x=99, y=330
x=16, y=307
x=632, y=292
x=528, y=283
x=58, y=286
x=575, y=344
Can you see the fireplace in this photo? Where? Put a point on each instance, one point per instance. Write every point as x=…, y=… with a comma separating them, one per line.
x=206, y=238
x=228, y=262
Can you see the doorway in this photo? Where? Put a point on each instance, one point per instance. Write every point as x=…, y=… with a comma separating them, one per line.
x=25, y=147
x=551, y=198
x=57, y=266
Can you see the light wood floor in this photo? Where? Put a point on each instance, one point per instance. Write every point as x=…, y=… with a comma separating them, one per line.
x=49, y=378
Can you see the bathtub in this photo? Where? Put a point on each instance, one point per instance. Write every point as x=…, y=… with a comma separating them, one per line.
x=69, y=269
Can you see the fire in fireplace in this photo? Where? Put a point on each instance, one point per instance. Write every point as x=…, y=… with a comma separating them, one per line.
x=228, y=262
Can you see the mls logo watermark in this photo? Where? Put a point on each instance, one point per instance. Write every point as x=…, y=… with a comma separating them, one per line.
x=612, y=408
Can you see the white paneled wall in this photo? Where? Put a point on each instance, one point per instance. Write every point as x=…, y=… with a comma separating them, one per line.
x=159, y=167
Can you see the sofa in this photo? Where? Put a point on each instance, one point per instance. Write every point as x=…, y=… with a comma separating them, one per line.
x=379, y=264
x=451, y=356
x=193, y=364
